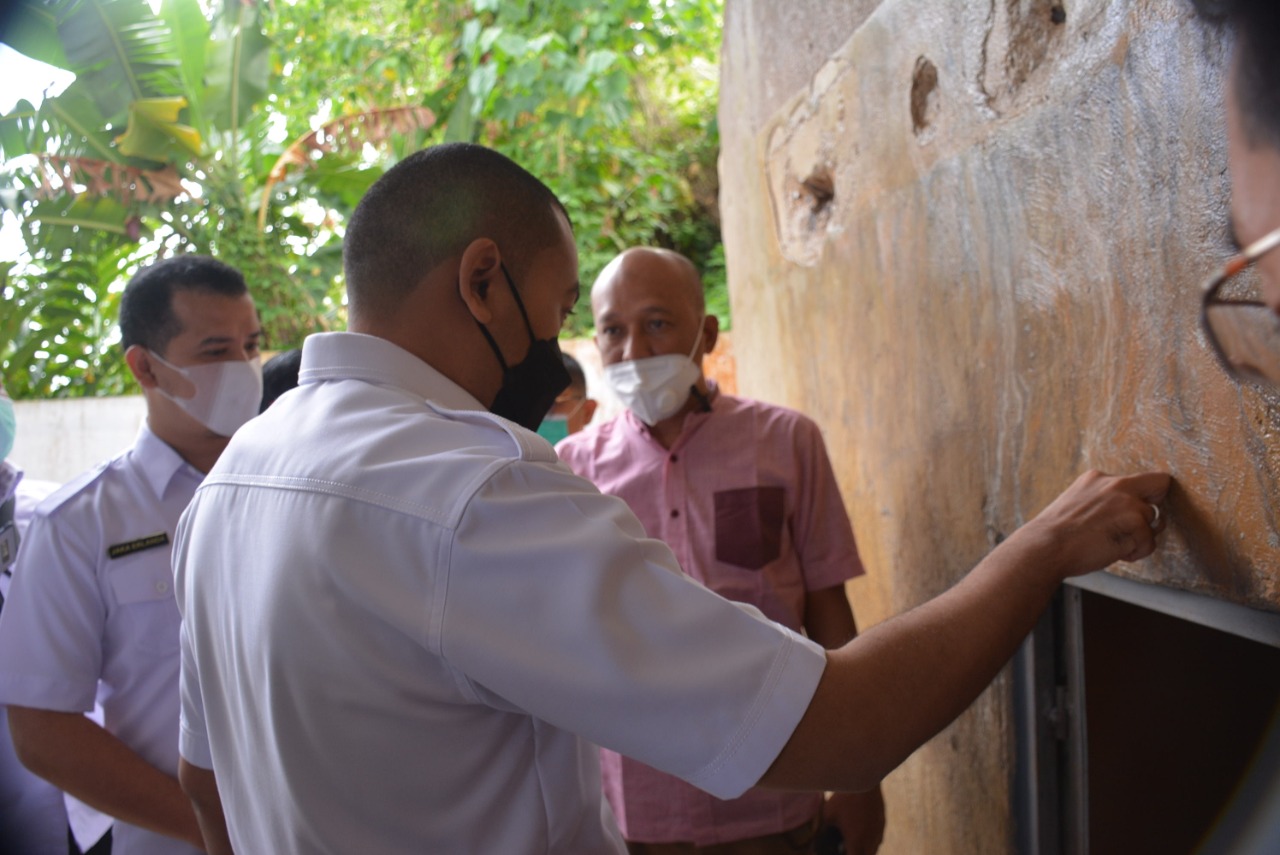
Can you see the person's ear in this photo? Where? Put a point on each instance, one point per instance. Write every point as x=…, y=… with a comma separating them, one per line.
x=478, y=271
x=710, y=333
x=138, y=358
x=589, y=410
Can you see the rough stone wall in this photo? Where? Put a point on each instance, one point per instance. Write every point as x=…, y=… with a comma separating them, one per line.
x=967, y=237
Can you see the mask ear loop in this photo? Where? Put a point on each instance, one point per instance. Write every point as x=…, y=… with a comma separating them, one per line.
x=576, y=409
x=497, y=351
x=181, y=372
x=704, y=402
x=702, y=324
x=493, y=344
x=519, y=302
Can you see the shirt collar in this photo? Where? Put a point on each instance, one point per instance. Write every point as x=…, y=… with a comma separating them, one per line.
x=158, y=461
x=355, y=356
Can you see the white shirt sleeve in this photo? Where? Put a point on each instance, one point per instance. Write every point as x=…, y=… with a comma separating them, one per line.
x=558, y=605
x=53, y=621
x=193, y=736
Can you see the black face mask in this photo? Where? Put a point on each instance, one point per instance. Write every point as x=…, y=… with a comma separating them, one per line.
x=531, y=387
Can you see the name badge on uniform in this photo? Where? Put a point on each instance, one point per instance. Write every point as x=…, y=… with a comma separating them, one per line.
x=8, y=535
x=151, y=541
x=8, y=546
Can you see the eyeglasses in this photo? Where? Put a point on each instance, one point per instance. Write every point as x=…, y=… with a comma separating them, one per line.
x=1244, y=333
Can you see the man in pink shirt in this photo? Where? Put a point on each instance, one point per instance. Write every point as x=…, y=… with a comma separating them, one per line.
x=743, y=493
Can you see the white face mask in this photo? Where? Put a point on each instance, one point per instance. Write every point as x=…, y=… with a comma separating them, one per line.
x=227, y=393
x=657, y=387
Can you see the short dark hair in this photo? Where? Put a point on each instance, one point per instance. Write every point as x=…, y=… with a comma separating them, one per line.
x=428, y=208
x=146, y=306
x=577, y=377
x=1255, y=24
x=279, y=375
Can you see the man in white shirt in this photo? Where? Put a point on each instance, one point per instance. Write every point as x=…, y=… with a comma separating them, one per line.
x=404, y=621
x=91, y=613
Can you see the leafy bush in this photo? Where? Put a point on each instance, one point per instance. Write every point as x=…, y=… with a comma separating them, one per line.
x=251, y=133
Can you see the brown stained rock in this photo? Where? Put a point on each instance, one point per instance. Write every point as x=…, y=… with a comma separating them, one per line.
x=982, y=279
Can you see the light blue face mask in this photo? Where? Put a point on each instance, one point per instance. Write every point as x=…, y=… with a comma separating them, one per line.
x=8, y=427
x=554, y=428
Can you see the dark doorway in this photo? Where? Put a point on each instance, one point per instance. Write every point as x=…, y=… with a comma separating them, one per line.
x=1175, y=712
x=1140, y=711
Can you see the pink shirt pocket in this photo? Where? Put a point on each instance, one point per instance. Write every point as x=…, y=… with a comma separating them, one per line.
x=749, y=523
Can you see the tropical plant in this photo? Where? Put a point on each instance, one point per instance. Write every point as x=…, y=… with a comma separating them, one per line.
x=251, y=132
x=612, y=104
x=161, y=146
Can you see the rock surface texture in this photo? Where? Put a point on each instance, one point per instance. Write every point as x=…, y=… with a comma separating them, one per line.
x=968, y=238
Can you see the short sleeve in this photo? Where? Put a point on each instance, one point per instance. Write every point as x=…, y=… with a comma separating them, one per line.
x=559, y=606
x=53, y=621
x=193, y=737
x=574, y=452
x=824, y=540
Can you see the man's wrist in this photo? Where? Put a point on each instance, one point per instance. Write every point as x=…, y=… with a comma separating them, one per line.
x=1041, y=549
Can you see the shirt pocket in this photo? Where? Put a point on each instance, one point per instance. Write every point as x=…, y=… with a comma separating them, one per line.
x=749, y=526
x=144, y=593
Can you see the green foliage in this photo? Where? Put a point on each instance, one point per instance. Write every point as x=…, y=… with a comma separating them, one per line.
x=238, y=71
x=194, y=132
x=120, y=51
x=59, y=322
x=613, y=106
x=160, y=146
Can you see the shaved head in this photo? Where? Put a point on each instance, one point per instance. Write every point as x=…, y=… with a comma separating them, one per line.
x=651, y=263
x=649, y=302
x=428, y=208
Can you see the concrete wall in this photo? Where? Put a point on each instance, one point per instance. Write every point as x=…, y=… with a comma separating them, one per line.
x=57, y=440
x=967, y=237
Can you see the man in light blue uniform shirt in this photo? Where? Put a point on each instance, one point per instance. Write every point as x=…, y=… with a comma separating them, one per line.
x=91, y=613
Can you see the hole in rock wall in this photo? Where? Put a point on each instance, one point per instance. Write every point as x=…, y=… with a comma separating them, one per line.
x=924, y=82
x=820, y=188
x=804, y=177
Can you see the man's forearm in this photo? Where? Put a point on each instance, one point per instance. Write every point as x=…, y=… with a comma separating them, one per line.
x=828, y=618
x=76, y=755
x=887, y=691
x=201, y=786
x=860, y=818
x=896, y=685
